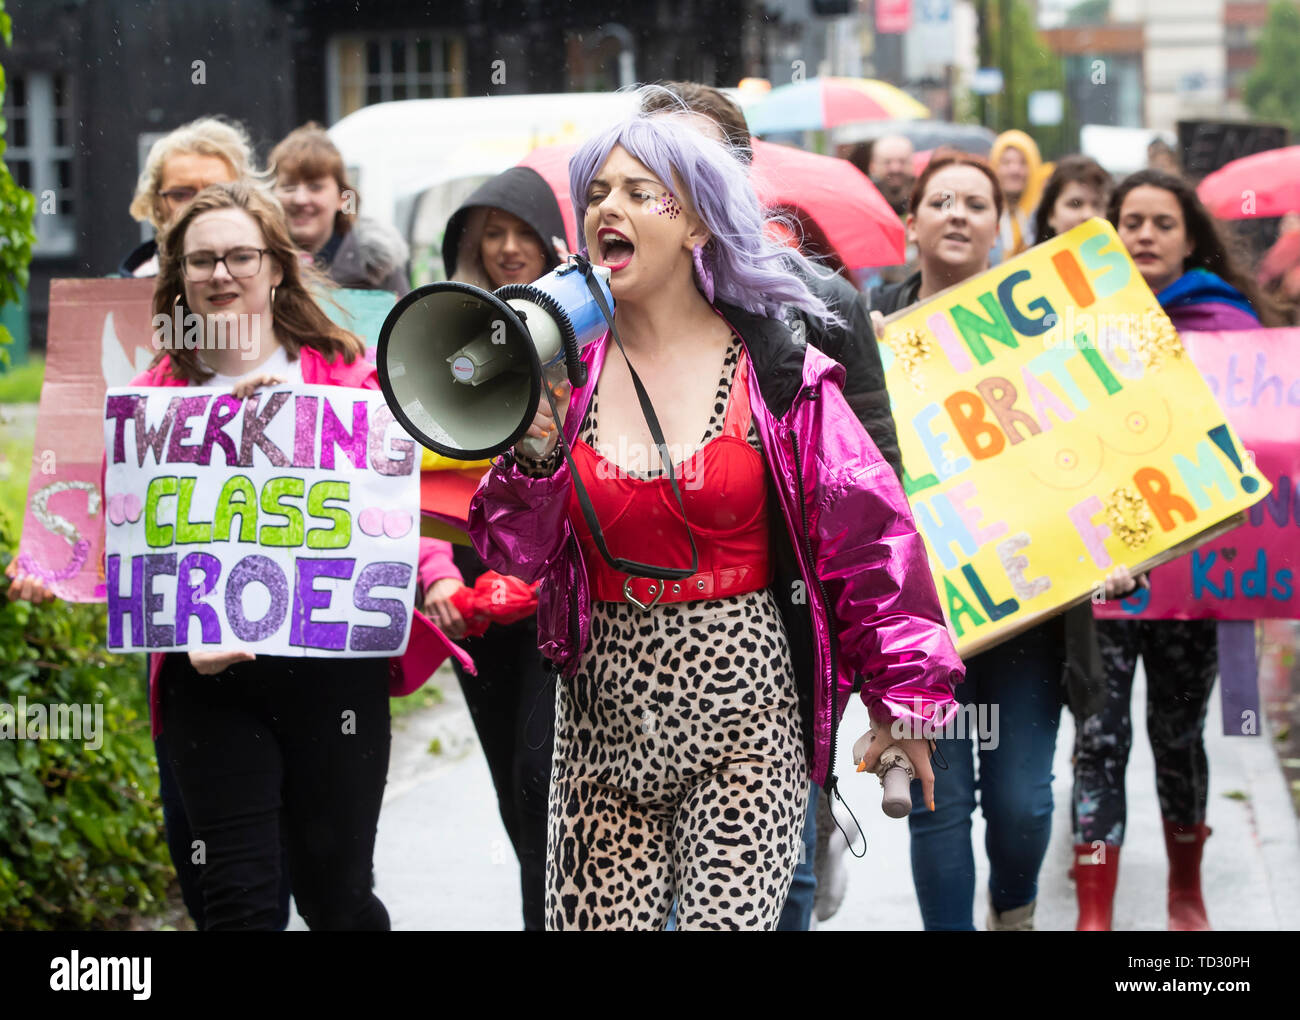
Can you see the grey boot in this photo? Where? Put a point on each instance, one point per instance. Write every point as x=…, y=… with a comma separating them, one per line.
x=1015, y=919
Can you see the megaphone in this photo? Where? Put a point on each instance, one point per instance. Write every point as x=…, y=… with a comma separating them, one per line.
x=462, y=368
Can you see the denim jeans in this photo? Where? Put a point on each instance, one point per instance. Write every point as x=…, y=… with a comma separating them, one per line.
x=796, y=915
x=1020, y=677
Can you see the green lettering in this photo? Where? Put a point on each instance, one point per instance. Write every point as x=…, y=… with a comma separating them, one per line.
x=188, y=531
x=958, y=607
x=157, y=535
x=274, y=493
x=974, y=328
x=340, y=535
x=228, y=506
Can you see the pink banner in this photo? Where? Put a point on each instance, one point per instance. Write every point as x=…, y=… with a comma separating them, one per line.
x=893, y=16
x=1249, y=573
x=99, y=336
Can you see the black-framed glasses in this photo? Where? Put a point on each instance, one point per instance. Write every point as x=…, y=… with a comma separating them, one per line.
x=241, y=263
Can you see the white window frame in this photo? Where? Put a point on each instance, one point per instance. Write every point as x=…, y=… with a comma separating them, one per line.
x=56, y=233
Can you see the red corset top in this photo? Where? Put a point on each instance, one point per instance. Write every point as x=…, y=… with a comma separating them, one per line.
x=724, y=489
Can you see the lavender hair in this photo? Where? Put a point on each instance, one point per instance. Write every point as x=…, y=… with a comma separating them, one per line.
x=749, y=270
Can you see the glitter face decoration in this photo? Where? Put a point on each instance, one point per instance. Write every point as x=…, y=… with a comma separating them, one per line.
x=665, y=205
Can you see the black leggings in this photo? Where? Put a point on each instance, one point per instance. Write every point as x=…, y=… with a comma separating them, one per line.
x=1181, y=659
x=278, y=748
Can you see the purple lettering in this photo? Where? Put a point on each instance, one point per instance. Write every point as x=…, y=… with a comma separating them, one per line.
x=187, y=408
x=120, y=605
x=303, y=630
x=333, y=432
x=255, y=424
x=380, y=575
x=255, y=569
x=157, y=635
x=190, y=596
x=120, y=409
x=223, y=412
x=304, y=431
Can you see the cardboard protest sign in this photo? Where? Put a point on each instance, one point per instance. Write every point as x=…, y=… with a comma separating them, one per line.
x=99, y=336
x=1052, y=426
x=1251, y=572
x=283, y=524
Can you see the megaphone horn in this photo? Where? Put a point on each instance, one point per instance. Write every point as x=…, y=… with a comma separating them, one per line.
x=462, y=368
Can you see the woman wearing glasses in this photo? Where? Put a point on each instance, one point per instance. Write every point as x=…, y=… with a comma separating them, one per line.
x=180, y=165
x=255, y=741
x=312, y=185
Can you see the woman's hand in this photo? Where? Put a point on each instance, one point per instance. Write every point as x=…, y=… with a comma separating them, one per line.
x=542, y=428
x=877, y=323
x=212, y=663
x=439, y=608
x=27, y=588
x=255, y=381
x=918, y=753
x=1120, y=583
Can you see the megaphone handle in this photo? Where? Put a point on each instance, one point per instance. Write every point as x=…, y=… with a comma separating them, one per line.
x=897, y=799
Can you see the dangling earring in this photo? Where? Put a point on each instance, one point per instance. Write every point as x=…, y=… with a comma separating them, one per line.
x=272, y=305
x=703, y=275
x=176, y=306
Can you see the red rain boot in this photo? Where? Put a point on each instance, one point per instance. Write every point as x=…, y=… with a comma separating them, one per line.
x=1095, y=874
x=1183, y=844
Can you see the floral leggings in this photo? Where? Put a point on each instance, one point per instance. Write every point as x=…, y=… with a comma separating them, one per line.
x=1181, y=658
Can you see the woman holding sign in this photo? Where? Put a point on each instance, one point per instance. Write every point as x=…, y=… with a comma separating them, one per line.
x=697, y=700
x=1195, y=276
x=954, y=214
x=267, y=747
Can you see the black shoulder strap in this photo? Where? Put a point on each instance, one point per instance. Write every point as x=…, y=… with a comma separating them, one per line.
x=632, y=567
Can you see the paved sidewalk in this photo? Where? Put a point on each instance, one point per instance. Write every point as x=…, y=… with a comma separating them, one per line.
x=443, y=861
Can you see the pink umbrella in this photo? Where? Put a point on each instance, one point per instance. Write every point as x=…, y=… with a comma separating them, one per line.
x=841, y=212
x=1265, y=184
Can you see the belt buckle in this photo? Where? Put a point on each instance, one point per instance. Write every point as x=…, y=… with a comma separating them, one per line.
x=645, y=607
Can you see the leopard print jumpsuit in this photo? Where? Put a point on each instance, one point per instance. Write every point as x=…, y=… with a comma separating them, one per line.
x=679, y=768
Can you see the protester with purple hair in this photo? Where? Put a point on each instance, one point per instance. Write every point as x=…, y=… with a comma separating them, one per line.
x=694, y=705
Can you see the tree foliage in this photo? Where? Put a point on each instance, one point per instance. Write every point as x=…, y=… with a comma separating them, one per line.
x=1273, y=86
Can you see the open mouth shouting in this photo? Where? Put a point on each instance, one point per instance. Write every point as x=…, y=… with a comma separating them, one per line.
x=615, y=249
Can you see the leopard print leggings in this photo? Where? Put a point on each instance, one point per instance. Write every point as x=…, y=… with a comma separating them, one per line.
x=679, y=768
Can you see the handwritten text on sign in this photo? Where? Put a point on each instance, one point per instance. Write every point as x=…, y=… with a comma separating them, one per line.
x=283, y=524
x=1053, y=427
x=1249, y=573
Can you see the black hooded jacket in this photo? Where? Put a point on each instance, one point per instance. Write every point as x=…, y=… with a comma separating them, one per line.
x=520, y=191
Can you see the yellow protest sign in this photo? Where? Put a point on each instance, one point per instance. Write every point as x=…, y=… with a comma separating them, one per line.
x=1052, y=427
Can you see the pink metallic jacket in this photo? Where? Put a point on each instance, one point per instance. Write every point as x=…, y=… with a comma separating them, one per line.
x=858, y=598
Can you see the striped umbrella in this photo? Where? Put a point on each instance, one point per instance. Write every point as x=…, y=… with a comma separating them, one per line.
x=822, y=103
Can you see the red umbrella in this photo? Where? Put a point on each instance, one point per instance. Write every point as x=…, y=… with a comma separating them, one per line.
x=841, y=212
x=1265, y=184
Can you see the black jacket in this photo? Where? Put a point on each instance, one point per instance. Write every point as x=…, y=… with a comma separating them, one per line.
x=521, y=191
x=137, y=257
x=853, y=345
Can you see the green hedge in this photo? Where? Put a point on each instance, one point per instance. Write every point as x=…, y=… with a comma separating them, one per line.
x=81, y=834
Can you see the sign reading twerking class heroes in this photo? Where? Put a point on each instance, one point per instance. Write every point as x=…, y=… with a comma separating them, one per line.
x=283, y=524
x=1052, y=426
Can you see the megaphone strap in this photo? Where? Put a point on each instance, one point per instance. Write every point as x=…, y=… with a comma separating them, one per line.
x=632, y=567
